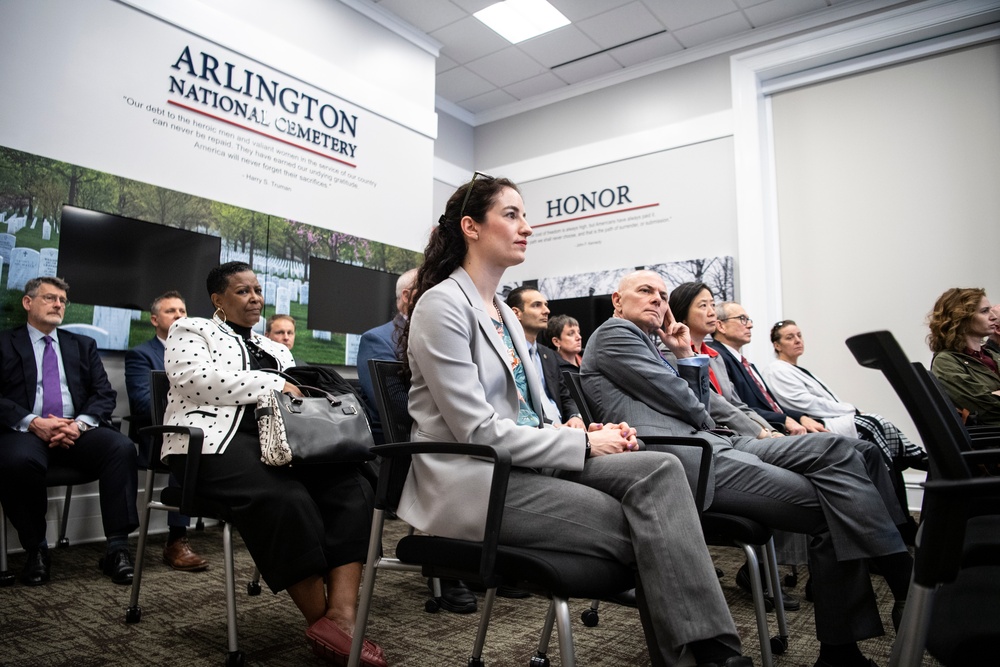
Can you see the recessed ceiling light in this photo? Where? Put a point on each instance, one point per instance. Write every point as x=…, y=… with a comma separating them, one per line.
x=518, y=20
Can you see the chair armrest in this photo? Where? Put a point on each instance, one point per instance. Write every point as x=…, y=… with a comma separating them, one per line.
x=389, y=487
x=981, y=456
x=196, y=437
x=704, y=465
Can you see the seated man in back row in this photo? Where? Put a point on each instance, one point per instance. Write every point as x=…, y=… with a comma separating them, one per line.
x=55, y=408
x=816, y=484
x=733, y=330
x=139, y=362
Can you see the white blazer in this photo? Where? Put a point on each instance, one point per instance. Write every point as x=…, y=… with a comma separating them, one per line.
x=797, y=389
x=211, y=383
x=463, y=390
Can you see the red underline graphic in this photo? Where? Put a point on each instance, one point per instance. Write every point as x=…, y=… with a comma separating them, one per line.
x=593, y=215
x=263, y=134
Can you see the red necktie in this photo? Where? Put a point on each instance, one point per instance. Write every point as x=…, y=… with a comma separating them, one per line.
x=760, y=385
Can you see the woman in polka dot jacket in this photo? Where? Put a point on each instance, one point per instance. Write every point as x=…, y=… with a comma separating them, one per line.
x=306, y=527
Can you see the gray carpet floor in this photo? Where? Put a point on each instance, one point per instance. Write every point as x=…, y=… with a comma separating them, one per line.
x=78, y=619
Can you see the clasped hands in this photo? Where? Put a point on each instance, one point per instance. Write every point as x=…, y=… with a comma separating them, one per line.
x=55, y=431
x=612, y=439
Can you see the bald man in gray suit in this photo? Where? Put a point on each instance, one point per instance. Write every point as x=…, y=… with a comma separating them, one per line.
x=816, y=484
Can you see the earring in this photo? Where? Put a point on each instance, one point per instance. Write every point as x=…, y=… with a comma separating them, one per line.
x=216, y=314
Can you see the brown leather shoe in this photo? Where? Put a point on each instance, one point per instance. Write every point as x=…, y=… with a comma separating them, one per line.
x=179, y=556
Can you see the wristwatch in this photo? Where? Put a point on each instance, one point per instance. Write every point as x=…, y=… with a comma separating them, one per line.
x=83, y=426
x=586, y=454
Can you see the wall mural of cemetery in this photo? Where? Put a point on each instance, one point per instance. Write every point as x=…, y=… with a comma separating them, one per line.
x=33, y=190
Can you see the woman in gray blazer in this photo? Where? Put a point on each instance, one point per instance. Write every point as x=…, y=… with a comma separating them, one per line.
x=590, y=493
x=305, y=527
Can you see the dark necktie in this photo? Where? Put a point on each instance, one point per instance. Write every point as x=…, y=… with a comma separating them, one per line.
x=52, y=403
x=760, y=385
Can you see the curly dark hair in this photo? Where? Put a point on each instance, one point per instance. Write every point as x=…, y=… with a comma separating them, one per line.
x=949, y=321
x=446, y=247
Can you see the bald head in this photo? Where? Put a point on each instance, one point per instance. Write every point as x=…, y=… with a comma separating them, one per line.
x=404, y=288
x=641, y=299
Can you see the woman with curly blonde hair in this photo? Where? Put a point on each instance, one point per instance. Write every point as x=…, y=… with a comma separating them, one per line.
x=959, y=323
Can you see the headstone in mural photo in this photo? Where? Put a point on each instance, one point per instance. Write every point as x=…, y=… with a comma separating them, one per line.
x=46, y=230
x=7, y=243
x=48, y=263
x=282, y=303
x=116, y=322
x=270, y=290
x=23, y=267
x=304, y=294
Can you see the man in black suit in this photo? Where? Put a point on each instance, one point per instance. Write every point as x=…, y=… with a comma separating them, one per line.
x=55, y=407
x=733, y=330
x=139, y=362
x=532, y=312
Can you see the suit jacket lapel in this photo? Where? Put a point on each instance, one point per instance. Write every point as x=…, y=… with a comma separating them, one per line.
x=22, y=343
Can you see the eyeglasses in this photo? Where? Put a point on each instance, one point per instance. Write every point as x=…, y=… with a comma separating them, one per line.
x=468, y=193
x=744, y=320
x=52, y=298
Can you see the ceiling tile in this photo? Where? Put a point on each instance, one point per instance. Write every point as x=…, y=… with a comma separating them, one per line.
x=779, y=10
x=536, y=85
x=444, y=63
x=647, y=49
x=506, y=66
x=718, y=28
x=682, y=14
x=460, y=84
x=559, y=46
x=577, y=10
x=621, y=25
x=494, y=98
x=588, y=68
x=428, y=15
x=468, y=39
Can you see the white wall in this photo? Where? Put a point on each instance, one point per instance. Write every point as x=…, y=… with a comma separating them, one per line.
x=888, y=194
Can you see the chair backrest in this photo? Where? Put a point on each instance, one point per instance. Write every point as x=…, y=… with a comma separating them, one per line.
x=392, y=389
x=575, y=386
x=934, y=419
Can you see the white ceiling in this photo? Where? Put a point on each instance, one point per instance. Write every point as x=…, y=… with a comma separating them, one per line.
x=482, y=77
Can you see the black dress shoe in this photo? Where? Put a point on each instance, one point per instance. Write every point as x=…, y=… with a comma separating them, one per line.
x=118, y=566
x=455, y=596
x=791, y=603
x=36, y=568
x=735, y=661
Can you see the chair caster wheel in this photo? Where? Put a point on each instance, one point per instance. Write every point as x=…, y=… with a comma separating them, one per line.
x=590, y=618
x=133, y=614
x=432, y=606
x=475, y=662
x=779, y=644
x=63, y=543
x=538, y=660
x=253, y=588
x=235, y=659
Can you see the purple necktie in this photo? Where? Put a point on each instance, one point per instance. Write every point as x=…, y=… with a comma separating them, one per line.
x=52, y=403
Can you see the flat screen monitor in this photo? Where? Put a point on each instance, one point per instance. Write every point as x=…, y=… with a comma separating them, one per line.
x=589, y=311
x=349, y=299
x=110, y=260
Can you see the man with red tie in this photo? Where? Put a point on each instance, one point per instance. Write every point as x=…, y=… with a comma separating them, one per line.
x=733, y=330
x=55, y=407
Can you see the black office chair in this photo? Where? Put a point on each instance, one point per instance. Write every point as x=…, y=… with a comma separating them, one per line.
x=952, y=603
x=721, y=530
x=555, y=574
x=56, y=476
x=186, y=501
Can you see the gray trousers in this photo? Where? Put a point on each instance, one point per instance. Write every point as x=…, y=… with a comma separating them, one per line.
x=636, y=508
x=820, y=485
